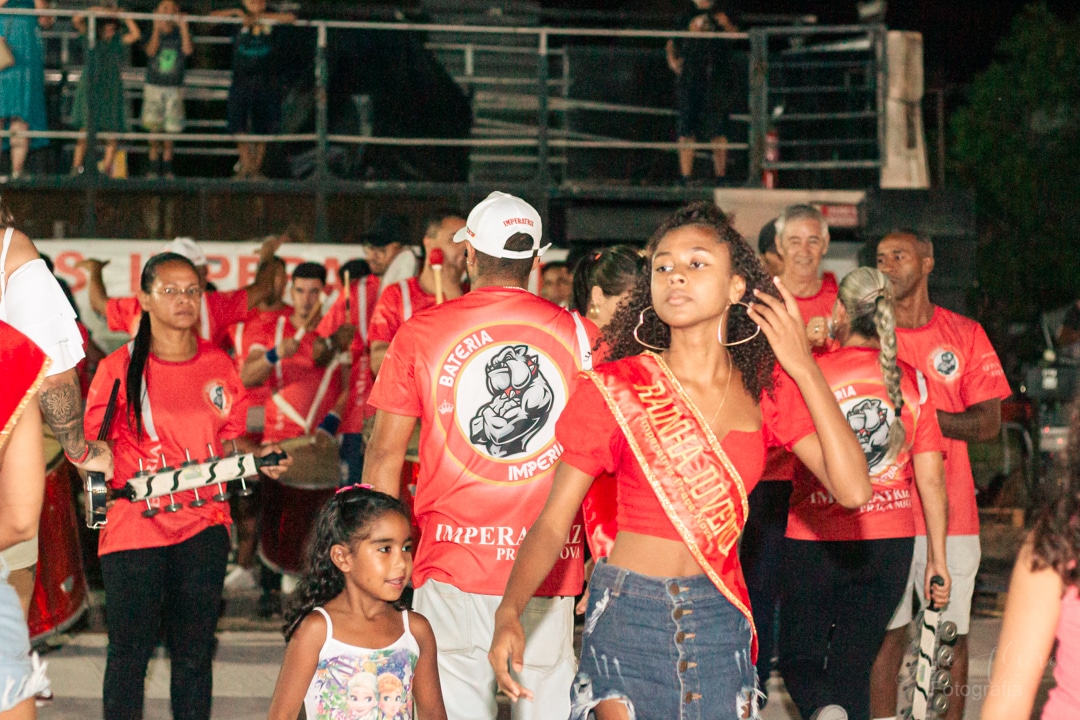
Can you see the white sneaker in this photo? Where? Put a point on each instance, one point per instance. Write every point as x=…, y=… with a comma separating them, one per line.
x=239, y=579
x=830, y=712
x=289, y=583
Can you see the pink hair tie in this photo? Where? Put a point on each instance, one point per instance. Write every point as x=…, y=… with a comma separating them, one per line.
x=357, y=486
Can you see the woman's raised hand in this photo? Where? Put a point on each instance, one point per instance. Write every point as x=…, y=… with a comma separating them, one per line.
x=783, y=326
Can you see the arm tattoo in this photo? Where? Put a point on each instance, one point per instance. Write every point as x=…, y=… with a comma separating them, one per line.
x=62, y=408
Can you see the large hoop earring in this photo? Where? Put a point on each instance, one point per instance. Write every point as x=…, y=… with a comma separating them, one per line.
x=720, y=330
x=640, y=322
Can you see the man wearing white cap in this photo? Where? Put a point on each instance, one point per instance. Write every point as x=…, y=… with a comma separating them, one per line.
x=219, y=310
x=487, y=375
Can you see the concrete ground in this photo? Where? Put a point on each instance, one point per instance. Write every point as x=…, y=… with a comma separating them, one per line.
x=250, y=652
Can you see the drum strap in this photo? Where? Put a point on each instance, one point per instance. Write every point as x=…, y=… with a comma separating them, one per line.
x=361, y=309
x=204, y=319
x=238, y=340
x=279, y=335
x=584, y=346
x=293, y=414
x=147, y=414
x=3, y=261
x=406, y=301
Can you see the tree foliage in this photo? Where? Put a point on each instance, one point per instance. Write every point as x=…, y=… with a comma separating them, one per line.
x=1017, y=142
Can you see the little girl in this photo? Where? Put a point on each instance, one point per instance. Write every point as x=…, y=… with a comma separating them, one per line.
x=345, y=629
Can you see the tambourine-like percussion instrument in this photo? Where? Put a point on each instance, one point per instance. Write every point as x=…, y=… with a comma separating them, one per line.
x=212, y=473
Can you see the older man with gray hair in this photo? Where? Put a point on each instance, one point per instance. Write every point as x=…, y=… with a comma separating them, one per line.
x=802, y=239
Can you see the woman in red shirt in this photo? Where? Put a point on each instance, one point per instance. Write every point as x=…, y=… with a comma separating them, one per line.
x=668, y=627
x=831, y=629
x=178, y=396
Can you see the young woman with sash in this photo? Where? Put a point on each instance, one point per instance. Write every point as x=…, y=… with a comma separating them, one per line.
x=179, y=395
x=22, y=488
x=831, y=629
x=684, y=429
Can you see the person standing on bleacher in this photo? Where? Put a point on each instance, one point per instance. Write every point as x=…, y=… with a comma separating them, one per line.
x=167, y=52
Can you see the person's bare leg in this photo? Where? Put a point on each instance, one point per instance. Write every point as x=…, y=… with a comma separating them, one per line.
x=79, y=155
x=22, y=581
x=686, y=158
x=883, y=673
x=155, y=150
x=719, y=156
x=26, y=710
x=20, y=146
x=167, y=153
x=110, y=155
x=258, y=154
x=612, y=710
x=244, y=149
x=958, y=694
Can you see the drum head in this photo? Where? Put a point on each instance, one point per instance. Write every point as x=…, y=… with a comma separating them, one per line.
x=315, y=462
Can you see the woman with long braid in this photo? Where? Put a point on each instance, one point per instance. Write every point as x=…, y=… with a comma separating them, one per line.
x=178, y=395
x=831, y=628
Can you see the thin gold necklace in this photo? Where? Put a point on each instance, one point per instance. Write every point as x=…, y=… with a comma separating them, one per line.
x=727, y=386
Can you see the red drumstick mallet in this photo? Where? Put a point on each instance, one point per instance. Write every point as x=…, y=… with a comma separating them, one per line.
x=436, y=265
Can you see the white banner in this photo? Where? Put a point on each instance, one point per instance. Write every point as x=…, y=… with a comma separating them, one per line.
x=231, y=265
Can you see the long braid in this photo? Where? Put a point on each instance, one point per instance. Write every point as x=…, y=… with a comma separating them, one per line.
x=867, y=297
x=885, y=322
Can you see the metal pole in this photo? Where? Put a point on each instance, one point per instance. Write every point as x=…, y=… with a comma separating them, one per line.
x=759, y=97
x=941, y=136
x=543, y=174
x=322, y=174
x=90, y=158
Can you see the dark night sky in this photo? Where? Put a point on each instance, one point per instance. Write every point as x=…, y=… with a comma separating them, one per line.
x=959, y=35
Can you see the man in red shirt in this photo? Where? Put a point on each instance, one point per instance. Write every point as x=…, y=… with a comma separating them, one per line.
x=487, y=376
x=219, y=310
x=801, y=240
x=405, y=298
x=966, y=384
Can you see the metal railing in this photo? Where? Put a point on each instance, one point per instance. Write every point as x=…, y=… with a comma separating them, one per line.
x=793, y=67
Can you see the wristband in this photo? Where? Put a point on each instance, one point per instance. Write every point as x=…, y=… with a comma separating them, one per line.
x=83, y=458
x=330, y=424
x=272, y=356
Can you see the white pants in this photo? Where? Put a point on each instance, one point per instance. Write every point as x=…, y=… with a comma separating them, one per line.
x=464, y=624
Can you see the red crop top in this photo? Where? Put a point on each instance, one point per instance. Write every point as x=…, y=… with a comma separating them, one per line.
x=593, y=443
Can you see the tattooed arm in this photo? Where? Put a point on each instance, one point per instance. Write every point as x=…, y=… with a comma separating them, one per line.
x=62, y=408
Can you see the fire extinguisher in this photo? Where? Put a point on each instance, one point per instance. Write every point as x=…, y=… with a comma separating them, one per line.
x=772, y=154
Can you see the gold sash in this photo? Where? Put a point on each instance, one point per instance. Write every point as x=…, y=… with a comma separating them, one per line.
x=696, y=483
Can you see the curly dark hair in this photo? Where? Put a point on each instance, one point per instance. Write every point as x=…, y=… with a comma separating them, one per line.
x=755, y=359
x=345, y=519
x=1055, y=538
x=7, y=219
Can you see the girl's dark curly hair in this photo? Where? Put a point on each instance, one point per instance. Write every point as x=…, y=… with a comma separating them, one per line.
x=755, y=359
x=345, y=519
x=1055, y=538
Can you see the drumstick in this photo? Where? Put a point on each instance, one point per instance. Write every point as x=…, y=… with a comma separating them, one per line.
x=347, y=298
x=436, y=265
x=110, y=410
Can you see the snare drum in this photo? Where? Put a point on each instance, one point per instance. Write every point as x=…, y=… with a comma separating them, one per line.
x=60, y=592
x=289, y=505
x=315, y=462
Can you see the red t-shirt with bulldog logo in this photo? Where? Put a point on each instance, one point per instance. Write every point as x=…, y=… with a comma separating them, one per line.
x=854, y=375
x=488, y=375
x=961, y=370
x=188, y=406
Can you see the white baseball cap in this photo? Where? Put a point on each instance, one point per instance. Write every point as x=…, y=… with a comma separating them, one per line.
x=498, y=217
x=188, y=248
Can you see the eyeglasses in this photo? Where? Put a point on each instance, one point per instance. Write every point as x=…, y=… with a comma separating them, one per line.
x=175, y=293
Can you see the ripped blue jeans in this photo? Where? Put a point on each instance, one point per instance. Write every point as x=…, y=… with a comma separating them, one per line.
x=669, y=648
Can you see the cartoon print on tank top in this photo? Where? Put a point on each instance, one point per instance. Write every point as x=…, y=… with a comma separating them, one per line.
x=376, y=685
